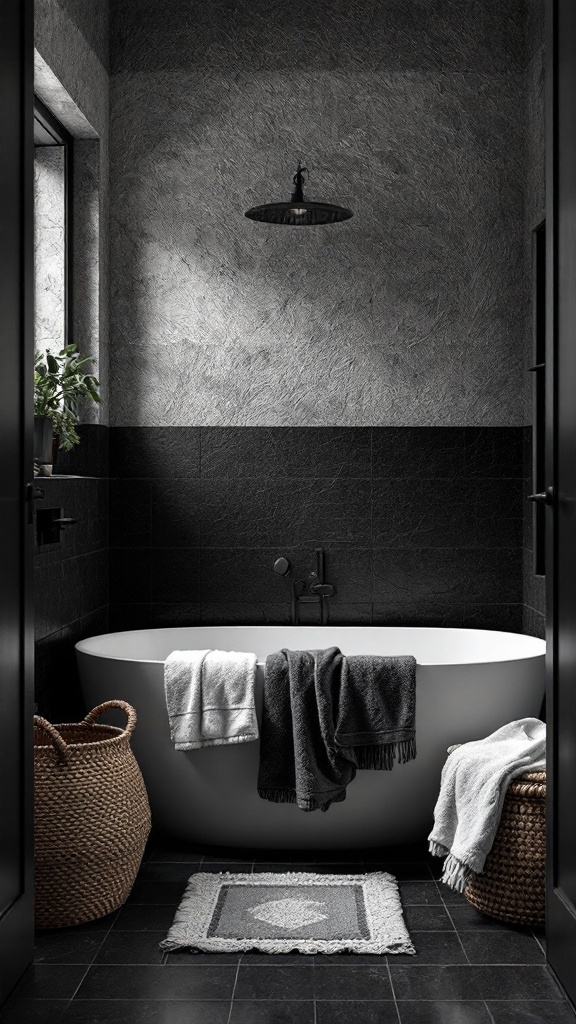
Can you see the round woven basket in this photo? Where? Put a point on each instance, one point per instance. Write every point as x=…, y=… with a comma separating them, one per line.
x=512, y=886
x=92, y=818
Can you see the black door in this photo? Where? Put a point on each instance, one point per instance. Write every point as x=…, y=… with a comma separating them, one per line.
x=561, y=460
x=16, y=410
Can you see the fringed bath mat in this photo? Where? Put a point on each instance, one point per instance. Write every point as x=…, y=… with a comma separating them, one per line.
x=298, y=911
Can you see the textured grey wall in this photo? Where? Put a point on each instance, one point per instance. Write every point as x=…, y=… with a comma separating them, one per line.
x=49, y=248
x=412, y=114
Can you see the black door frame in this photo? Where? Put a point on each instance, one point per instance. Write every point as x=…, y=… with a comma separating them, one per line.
x=561, y=511
x=16, y=453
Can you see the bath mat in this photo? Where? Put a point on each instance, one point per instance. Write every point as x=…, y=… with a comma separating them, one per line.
x=297, y=911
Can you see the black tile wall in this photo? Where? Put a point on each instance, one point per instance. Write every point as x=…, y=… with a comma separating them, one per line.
x=71, y=577
x=419, y=524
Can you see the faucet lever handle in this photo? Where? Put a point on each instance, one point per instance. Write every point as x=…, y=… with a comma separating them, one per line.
x=323, y=589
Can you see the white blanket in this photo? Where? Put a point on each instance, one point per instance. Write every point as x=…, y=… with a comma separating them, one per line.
x=210, y=698
x=472, y=790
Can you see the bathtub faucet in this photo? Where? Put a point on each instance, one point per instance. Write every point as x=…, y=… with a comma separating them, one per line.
x=312, y=591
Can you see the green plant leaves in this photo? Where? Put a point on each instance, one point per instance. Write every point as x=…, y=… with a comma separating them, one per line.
x=59, y=384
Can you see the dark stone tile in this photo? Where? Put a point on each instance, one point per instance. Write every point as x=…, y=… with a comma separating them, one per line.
x=247, y=575
x=454, y=513
x=165, y=615
x=406, y=853
x=130, y=575
x=442, y=947
x=170, y=850
x=90, y=457
x=421, y=452
x=257, y=513
x=255, y=959
x=43, y=981
x=245, y=614
x=357, y=1012
x=146, y=917
x=130, y=513
x=534, y=623
x=534, y=586
x=352, y=983
x=143, y=1011
x=331, y=868
x=175, y=575
x=422, y=919
x=160, y=452
x=67, y=946
x=282, y=867
x=285, y=451
x=534, y=1012
x=128, y=615
x=516, y=983
x=157, y=892
x=219, y=867
x=168, y=871
x=433, y=982
x=275, y=982
x=131, y=948
x=494, y=452
x=420, y=893
x=196, y=958
x=155, y=982
x=457, y=576
x=467, y=918
x=501, y=947
x=275, y=1012
x=506, y=617
x=177, y=514
x=441, y=1012
x=33, y=1011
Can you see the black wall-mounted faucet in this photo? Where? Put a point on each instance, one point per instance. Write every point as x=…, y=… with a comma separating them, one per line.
x=317, y=591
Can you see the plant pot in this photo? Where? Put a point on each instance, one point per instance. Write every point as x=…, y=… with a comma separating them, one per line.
x=43, y=444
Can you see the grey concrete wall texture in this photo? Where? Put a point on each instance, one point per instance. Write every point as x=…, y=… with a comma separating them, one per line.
x=412, y=313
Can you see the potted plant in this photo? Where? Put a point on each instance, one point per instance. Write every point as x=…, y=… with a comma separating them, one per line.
x=60, y=384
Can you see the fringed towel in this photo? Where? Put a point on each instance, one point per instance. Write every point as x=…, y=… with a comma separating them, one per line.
x=472, y=790
x=325, y=716
x=210, y=698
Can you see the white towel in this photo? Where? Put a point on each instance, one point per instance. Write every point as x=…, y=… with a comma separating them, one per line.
x=210, y=698
x=472, y=790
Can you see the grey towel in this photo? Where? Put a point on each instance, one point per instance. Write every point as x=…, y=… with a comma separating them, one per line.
x=324, y=716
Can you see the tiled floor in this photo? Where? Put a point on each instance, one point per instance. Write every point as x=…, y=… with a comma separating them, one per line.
x=468, y=969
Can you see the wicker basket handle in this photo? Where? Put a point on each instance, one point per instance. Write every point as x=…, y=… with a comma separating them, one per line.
x=52, y=732
x=93, y=715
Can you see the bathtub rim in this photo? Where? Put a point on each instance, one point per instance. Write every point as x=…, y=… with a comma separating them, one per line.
x=530, y=648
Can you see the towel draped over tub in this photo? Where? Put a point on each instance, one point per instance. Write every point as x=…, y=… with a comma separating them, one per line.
x=210, y=698
x=326, y=715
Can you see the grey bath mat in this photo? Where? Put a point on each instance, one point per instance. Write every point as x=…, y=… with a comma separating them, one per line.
x=298, y=911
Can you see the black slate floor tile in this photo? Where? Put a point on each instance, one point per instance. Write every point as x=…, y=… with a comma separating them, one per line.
x=175, y=854
x=420, y=893
x=295, y=983
x=499, y=947
x=50, y=981
x=33, y=1011
x=142, y=1011
x=357, y=1012
x=146, y=918
x=286, y=1011
x=131, y=948
x=67, y=946
x=157, y=892
x=169, y=871
x=516, y=983
x=466, y=918
x=352, y=983
x=158, y=982
x=534, y=1012
x=442, y=1012
x=427, y=919
x=403, y=872
x=438, y=983
x=433, y=948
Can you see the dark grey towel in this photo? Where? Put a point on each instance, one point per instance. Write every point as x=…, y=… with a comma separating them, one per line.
x=324, y=716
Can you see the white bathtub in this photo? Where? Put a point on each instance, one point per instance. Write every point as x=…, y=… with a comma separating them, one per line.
x=469, y=682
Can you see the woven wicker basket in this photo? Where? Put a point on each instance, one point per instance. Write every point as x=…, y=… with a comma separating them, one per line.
x=512, y=886
x=92, y=818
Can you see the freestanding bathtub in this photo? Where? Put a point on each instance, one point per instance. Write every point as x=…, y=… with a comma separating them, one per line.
x=468, y=683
